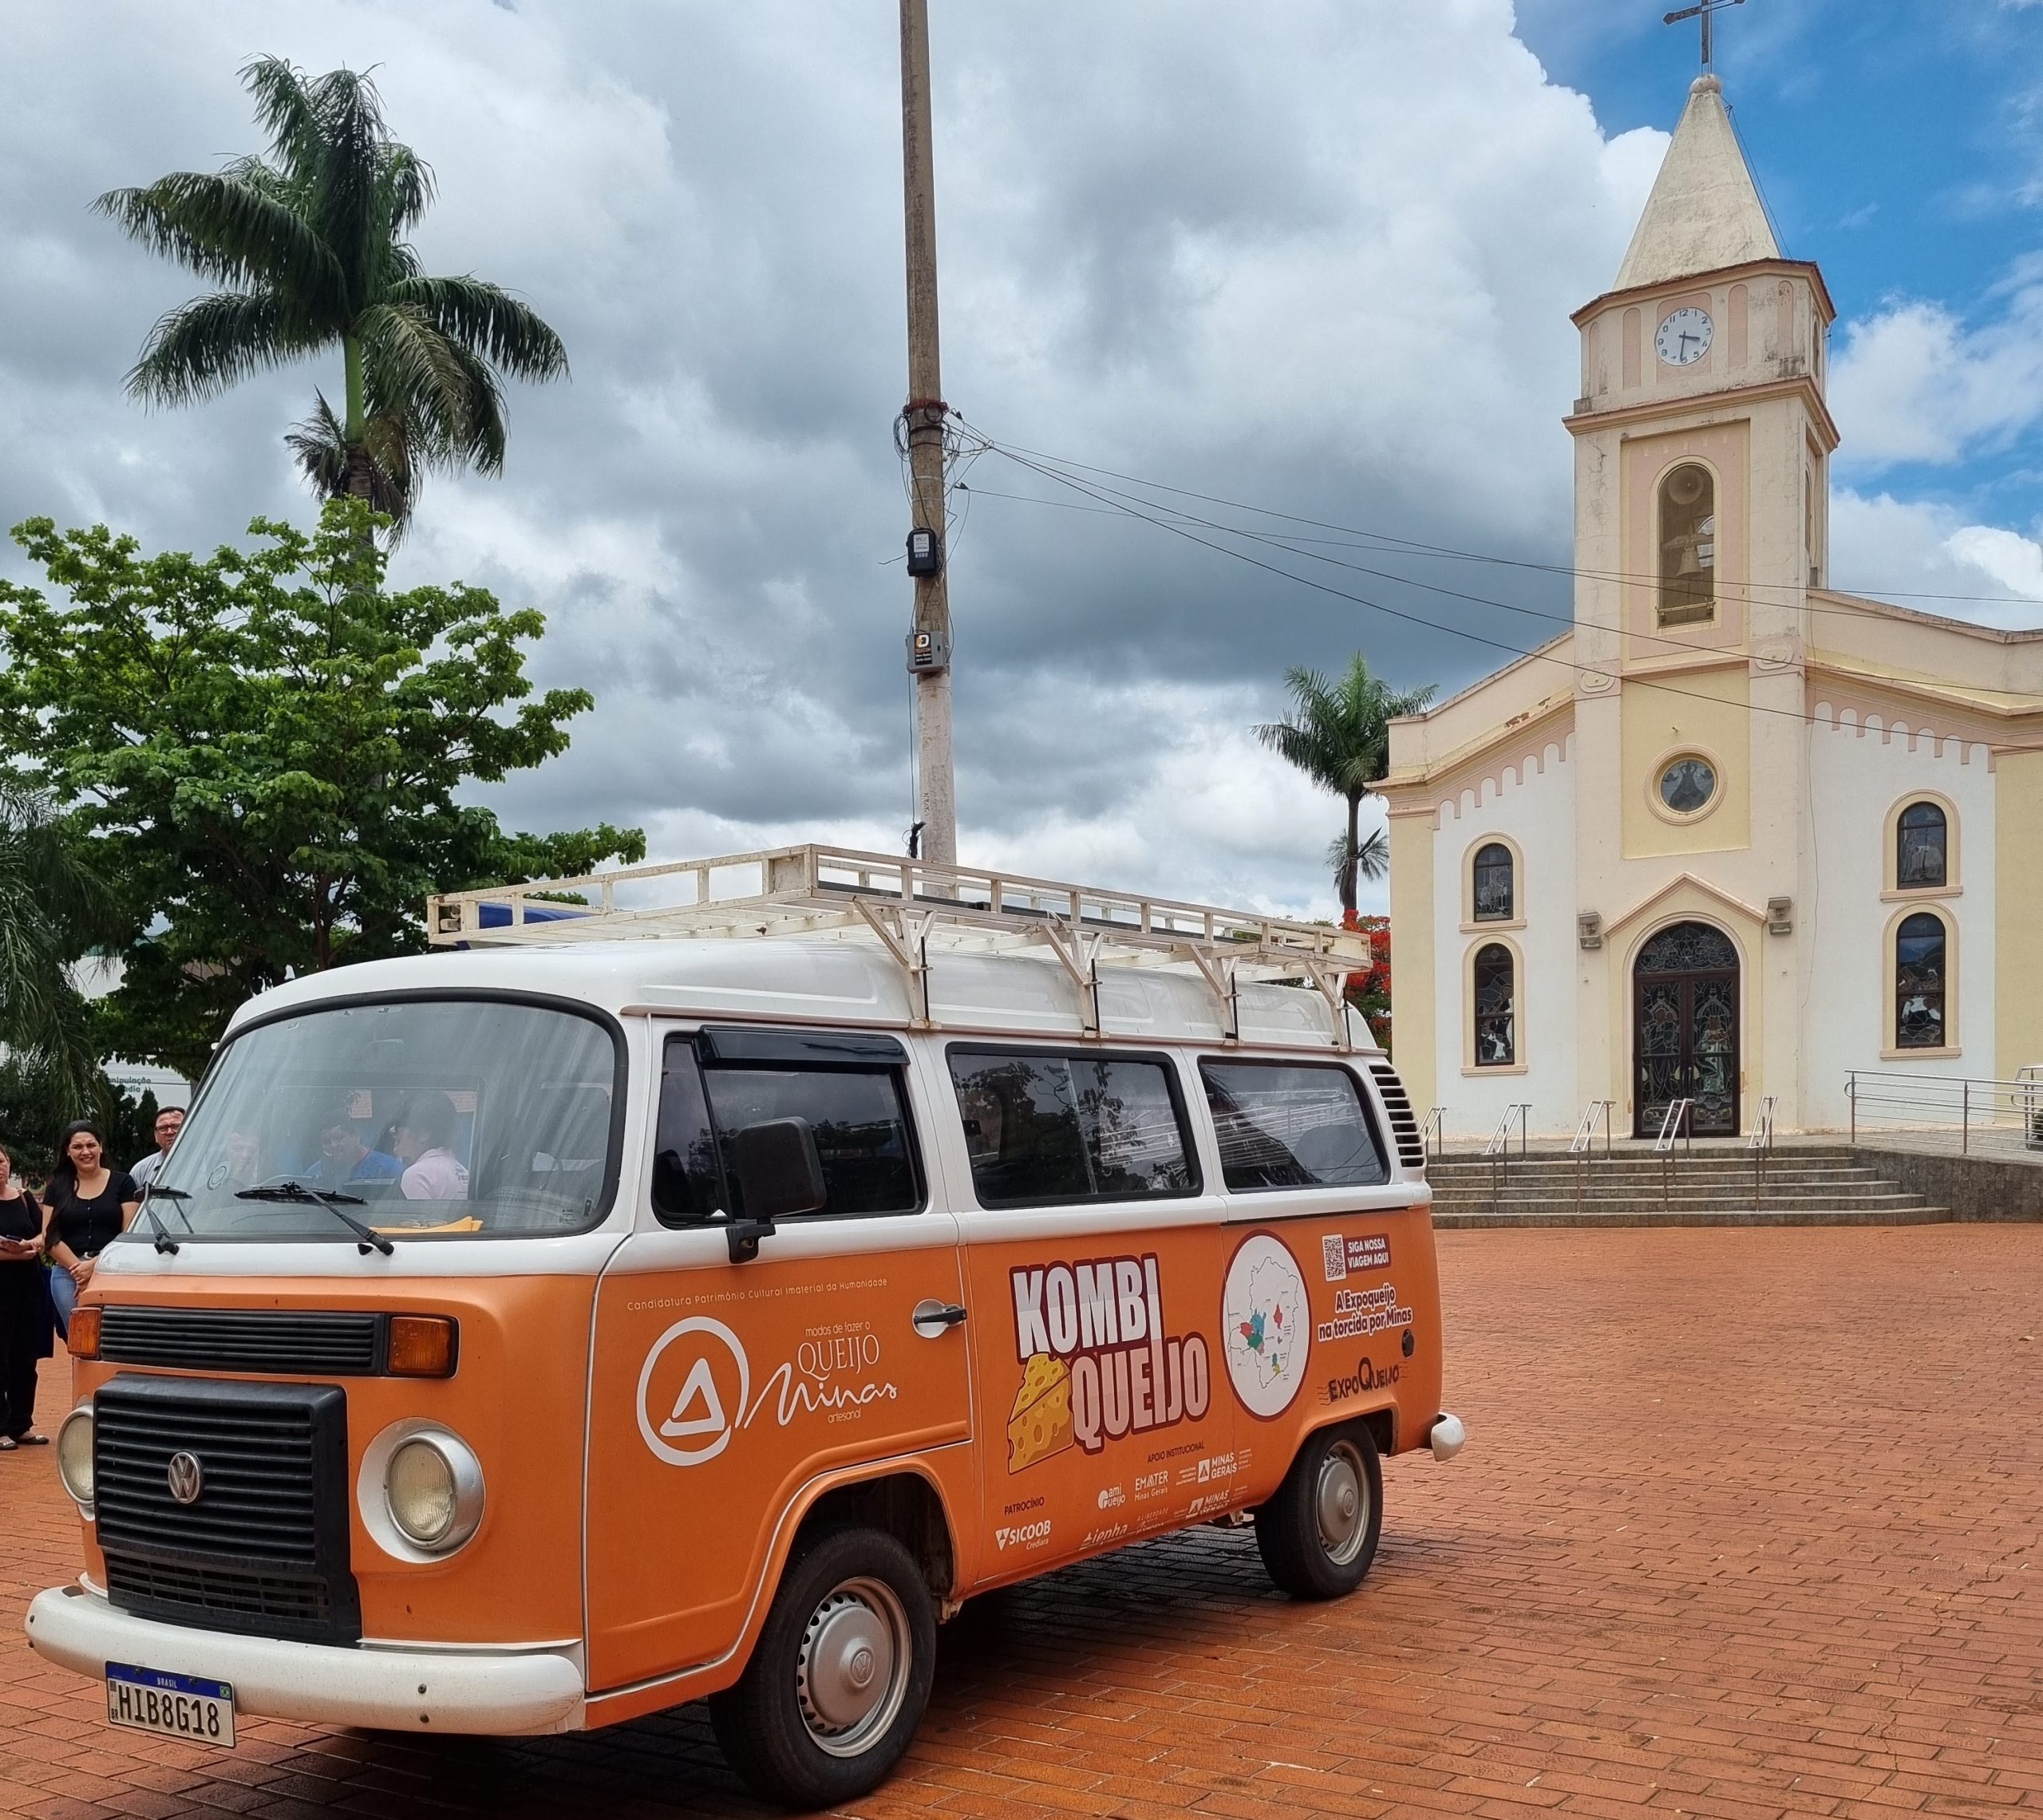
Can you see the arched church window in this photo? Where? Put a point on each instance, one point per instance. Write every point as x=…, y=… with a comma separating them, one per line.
x=1497, y=1031
x=1688, y=546
x=1922, y=848
x=1920, y=946
x=1495, y=888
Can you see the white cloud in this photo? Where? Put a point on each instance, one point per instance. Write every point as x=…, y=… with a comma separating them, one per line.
x=1929, y=556
x=1915, y=382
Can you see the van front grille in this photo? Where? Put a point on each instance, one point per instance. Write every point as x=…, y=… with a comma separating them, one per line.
x=264, y=1545
x=1404, y=1127
x=300, y=1343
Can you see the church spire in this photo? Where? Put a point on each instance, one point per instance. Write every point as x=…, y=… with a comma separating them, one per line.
x=1704, y=212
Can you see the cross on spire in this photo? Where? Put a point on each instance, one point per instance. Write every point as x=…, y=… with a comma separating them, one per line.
x=1704, y=10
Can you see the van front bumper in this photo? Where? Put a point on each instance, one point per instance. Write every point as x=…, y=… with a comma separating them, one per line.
x=505, y=1693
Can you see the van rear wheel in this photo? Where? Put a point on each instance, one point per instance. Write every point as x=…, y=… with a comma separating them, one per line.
x=1317, y=1535
x=839, y=1676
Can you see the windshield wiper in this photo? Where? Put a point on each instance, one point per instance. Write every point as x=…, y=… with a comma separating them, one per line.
x=163, y=1241
x=368, y=1237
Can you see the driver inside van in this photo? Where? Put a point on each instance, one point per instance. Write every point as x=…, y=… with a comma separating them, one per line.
x=423, y=1136
x=344, y=1158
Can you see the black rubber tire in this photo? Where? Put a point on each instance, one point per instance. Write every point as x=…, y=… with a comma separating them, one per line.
x=1288, y=1532
x=760, y=1722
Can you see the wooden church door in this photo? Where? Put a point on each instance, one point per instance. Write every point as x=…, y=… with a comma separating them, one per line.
x=1685, y=1030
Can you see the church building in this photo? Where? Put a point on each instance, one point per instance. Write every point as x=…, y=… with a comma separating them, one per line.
x=1734, y=835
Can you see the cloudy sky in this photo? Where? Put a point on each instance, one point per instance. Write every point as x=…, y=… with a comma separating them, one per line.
x=1315, y=256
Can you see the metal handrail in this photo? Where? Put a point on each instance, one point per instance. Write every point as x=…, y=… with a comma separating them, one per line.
x=1675, y=1125
x=1433, y=1130
x=1498, y=1149
x=1583, y=1146
x=1974, y=1112
x=1760, y=1144
x=1585, y=1133
x=1500, y=1138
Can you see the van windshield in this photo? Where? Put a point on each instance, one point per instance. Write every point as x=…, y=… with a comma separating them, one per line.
x=422, y=1118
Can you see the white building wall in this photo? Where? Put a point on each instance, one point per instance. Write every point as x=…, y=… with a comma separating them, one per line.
x=1857, y=774
x=1533, y=806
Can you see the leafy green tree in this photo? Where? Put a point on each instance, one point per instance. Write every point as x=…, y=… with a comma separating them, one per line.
x=1337, y=733
x=263, y=750
x=52, y=907
x=310, y=246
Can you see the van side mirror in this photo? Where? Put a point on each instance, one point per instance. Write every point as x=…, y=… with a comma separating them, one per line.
x=779, y=1174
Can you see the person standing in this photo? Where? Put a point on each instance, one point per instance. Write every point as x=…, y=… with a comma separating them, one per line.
x=90, y=1205
x=24, y=1311
x=170, y=1121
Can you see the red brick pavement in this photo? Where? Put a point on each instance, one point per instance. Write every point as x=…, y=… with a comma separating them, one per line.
x=1746, y=1526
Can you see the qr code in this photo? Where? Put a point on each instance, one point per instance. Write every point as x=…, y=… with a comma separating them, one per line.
x=1333, y=1250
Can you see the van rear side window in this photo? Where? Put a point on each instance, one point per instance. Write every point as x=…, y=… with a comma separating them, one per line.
x=1042, y=1128
x=854, y=1114
x=1291, y=1125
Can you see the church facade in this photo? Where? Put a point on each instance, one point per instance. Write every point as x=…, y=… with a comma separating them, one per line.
x=1734, y=835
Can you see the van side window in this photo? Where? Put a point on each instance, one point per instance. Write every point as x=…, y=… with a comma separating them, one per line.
x=1291, y=1125
x=859, y=1123
x=1042, y=1128
x=688, y=1177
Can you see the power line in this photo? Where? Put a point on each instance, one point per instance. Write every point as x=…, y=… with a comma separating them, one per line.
x=1448, y=552
x=1107, y=499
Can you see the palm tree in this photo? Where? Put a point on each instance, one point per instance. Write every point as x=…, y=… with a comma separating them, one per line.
x=309, y=244
x=1338, y=734
x=52, y=906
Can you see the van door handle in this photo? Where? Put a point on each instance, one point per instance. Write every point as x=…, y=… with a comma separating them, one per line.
x=933, y=1319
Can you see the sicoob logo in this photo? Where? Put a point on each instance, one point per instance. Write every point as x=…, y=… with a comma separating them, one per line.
x=1265, y=1331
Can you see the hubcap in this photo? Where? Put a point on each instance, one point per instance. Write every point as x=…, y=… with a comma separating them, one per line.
x=1342, y=1504
x=852, y=1671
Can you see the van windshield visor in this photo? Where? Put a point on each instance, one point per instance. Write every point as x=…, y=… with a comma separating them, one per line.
x=439, y=1119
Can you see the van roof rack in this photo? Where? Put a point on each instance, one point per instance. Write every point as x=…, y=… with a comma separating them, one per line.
x=911, y=907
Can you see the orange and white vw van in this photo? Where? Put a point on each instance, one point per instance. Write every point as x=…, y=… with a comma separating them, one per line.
x=647, y=1303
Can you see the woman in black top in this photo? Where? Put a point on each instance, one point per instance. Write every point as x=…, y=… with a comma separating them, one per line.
x=24, y=1310
x=89, y=1207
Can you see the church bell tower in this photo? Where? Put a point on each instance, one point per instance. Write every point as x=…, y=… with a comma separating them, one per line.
x=1702, y=444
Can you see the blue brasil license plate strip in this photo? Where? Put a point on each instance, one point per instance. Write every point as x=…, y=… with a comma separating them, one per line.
x=172, y=1705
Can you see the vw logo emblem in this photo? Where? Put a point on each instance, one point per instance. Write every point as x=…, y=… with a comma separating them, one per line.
x=187, y=1478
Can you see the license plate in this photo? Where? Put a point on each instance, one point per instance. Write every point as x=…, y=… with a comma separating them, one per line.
x=172, y=1705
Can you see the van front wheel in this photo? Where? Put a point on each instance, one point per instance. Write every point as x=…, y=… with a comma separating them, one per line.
x=1317, y=1535
x=839, y=1676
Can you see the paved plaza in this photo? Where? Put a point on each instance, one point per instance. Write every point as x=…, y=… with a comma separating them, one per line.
x=1748, y=1525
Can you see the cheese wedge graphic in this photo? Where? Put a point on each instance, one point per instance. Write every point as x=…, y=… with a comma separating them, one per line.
x=1039, y=1423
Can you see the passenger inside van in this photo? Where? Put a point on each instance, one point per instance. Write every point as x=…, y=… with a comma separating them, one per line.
x=422, y=1134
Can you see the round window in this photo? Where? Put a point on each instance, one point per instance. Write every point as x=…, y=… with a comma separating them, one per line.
x=1687, y=785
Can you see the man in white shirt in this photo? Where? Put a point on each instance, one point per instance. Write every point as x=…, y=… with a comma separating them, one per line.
x=170, y=1121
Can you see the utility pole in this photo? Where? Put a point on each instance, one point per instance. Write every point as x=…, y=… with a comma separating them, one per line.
x=929, y=644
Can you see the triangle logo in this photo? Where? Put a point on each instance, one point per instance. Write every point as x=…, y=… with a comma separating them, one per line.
x=700, y=1389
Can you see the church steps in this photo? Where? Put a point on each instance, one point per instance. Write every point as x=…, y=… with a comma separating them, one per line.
x=1805, y=1185
x=1651, y=1213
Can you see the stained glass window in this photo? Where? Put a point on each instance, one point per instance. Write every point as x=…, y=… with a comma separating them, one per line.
x=1689, y=948
x=1495, y=892
x=1688, y=546
x=1919, y=982
x=1496, y=1034
x=1922, y=843
x=1687, y=785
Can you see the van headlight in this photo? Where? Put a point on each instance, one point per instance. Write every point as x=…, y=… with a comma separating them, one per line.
x=433, y=1488
x=74, y=1456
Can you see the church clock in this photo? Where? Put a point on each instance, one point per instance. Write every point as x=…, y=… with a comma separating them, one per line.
x=1683, y=338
